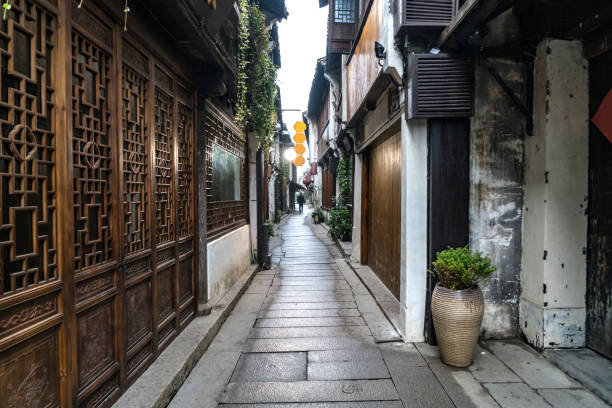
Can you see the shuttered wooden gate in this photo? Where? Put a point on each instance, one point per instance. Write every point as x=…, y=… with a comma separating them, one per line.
x=383, y=197
x=97, y=206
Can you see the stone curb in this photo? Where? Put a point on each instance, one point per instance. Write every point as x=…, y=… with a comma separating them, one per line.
x=158, y=384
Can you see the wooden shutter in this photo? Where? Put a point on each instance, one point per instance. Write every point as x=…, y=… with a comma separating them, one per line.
x=426, y=15
x=440, y=86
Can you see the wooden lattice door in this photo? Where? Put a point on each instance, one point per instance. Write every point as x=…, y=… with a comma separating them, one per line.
x=97, y=207
x=31, y=287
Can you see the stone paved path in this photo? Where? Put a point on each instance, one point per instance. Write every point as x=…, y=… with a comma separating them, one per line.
x=308, y=334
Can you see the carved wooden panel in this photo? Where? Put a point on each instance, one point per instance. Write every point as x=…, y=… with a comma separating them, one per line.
x=138, y=313
x=91, y=145
x=185, y=203
x=103, y=395
x=96, y=341
x=135, y=162
x=186, y=279
x=164, y=145
x=88, y=288
x=165, y=297
x=28, y=255
x=29, y=374
x=27, y=313
x=138, y=359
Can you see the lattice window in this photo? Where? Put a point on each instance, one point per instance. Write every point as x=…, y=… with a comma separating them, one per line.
x=28, y=200
x=91, y=78
x=344, y=11
x=135, y=162
x=164, y=145
x=185, y=171
x=224, y=215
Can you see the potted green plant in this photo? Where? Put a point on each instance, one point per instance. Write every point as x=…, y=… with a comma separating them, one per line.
x=457, y=303
x=317, y=216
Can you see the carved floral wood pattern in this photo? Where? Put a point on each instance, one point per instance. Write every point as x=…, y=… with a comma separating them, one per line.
x=30, y=374
x=92, y=170
x=28, y=255
x=135, y=162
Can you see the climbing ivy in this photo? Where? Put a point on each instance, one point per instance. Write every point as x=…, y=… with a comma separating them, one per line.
x=340, y=222
x=255, y=109
x=345, y=180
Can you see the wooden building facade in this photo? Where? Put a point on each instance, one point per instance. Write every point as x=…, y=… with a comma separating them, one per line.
x=99, y=181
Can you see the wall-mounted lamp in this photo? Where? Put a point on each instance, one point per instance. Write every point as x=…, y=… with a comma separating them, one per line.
x=380, y=52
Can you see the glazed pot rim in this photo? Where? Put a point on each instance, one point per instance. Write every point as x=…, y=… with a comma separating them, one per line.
x=459, y=291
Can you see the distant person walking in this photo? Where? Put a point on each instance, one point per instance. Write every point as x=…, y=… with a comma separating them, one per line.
x=300, y=201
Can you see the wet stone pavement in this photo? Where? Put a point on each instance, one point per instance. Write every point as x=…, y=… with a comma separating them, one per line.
x=309, y=334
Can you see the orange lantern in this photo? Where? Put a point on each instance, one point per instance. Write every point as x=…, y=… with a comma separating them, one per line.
x=299, y=127
x=299, y=138
x=299, y=161
x=299, y=149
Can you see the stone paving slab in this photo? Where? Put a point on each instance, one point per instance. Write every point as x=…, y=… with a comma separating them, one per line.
x=310, y=322
x=301, y=332
x=303, y=262
x=462, y=387
x=404, y=352
x=284, y=297
x=330, y=356
x=530, y=366
x=572, y=399
x=348, y=370
x=270, y=367
x=588, y=367
x=309, y=313
x=418, y=387
x=310, y=305
x=516, y=395
x=488, y=368
x=193, y=394
x=309, y=391
x=306, y=344
x=369, y=404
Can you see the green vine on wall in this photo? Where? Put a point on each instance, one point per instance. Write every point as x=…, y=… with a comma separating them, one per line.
x=255, y=109
x=340, y=222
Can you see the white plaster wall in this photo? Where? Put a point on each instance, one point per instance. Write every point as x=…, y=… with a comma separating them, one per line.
x=228, y=257
x=556, y=189
x=356, y=237
x=414, y=229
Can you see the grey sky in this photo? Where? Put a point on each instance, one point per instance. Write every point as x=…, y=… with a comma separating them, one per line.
x=303, y=38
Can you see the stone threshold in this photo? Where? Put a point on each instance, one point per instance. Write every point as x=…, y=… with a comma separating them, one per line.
x=158, y=384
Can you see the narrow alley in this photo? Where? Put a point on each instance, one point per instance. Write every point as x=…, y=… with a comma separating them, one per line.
x=309, y=334
x=306, y=204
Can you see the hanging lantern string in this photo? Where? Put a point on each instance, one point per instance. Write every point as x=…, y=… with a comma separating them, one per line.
x=80, y=4
x=6, y=6
x=126, y=10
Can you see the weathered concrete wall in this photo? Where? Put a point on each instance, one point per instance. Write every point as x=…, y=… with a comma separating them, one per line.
x=556, y=187
x=413, y=267
x=496, y=193
x=228, y=257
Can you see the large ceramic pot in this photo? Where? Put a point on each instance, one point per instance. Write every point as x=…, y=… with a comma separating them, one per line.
x=457, y=316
